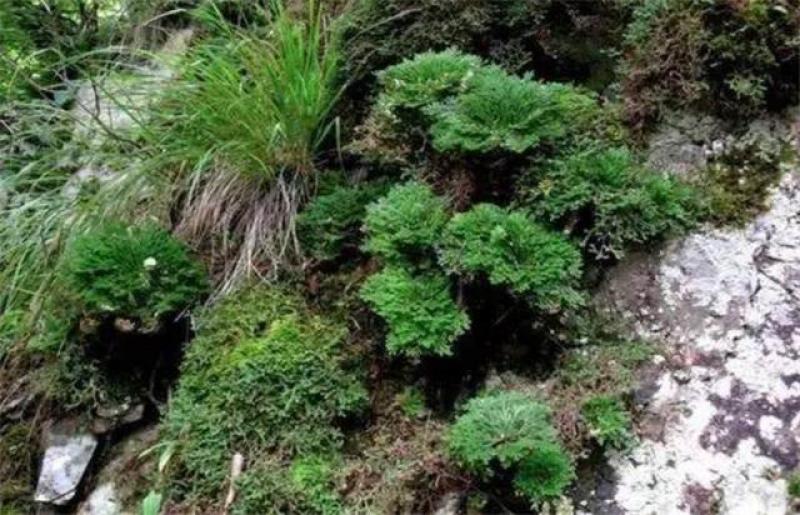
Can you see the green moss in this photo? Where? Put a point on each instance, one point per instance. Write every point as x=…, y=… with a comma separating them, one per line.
x=138, y=272
x=421, y=314
x=731, y=58
x=514, y=252
x=737, y=183
x=18, y=456
x=306, y=486
x=512, y=432
x=264, y=377
x=608, y=420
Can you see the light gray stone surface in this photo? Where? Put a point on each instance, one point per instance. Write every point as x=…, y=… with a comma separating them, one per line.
x=722, y=423
x=64, y=464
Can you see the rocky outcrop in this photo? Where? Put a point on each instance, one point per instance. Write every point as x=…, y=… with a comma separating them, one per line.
x=64, y=465
x=721, y=418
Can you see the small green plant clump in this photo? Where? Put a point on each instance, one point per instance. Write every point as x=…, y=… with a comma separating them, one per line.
x=280, y=385
x=498, y=111
x=305, y=486
x=404, y=224
x=608, y=420
x=473, y=107
x=422, y=316
x=514, y=252
x=602, y=196
x=512, y=432
x=425, y=79
x=139, y=272
x=332, y=219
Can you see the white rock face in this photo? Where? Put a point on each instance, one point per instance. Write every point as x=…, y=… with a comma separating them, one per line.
x=102, y=501
x=726, y=404
x=63, y=466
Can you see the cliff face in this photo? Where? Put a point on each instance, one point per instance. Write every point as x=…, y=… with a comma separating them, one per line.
x=720, y=430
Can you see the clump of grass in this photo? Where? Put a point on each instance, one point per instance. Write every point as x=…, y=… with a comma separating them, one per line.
x=246, y=122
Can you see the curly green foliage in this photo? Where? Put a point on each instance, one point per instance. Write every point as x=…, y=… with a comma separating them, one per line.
x=306, y=487
x=503, y=112
x=545, y=474
x=515, y=252
x=405, y=223
x=512, y=432
x=332, y=219
x=419, y=310
x=731, y=58
x=610, y=200
x=608, y=420
x=139, y=272
x=264, y=376
x=426, y=78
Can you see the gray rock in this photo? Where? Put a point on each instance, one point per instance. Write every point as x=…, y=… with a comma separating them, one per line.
x=680, y=145
x=64, y=464
x=450, y=504
x=102, y=501
x=729, y=303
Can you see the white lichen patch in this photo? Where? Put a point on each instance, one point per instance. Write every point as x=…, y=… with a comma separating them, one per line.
x=727, y=304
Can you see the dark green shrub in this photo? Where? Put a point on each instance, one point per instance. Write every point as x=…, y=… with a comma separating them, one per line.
x=332, y=219
x=731, y=58
x=139, y=272
x=608, y=420
x=264, y=376
x=405, y=223
x=426, y=78
x=419, y=310
x=512, y=432
x=609, y=200
x=515, y=252
x=503, y=112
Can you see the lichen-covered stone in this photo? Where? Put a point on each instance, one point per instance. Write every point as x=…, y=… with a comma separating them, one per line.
x=726, y=302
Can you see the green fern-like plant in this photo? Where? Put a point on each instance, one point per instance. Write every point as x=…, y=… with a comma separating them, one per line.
x=139, y=272
x=511, y=431
x=504, y=112
x=421, y=314
x=515, y=252
x=426, y=78
x=608, y=420
x=405, y=223
x=614, y=201
x=332, y=219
